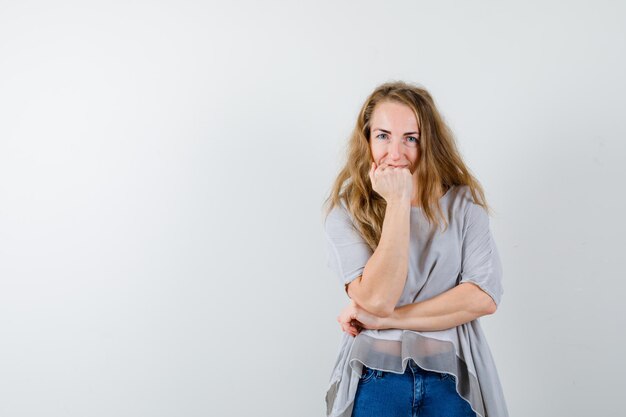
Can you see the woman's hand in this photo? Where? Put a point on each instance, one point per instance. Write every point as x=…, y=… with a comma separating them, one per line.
x=392, y=183
x=353, y=319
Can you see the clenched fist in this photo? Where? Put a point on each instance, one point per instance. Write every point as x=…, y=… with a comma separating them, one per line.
x=392, y=183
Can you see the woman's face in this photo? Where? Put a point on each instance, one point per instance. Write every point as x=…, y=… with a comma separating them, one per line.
x=394, y=135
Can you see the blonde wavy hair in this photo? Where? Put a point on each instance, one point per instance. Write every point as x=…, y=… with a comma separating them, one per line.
x=440, y=165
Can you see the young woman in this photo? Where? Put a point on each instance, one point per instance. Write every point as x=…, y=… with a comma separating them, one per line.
x=408, y=235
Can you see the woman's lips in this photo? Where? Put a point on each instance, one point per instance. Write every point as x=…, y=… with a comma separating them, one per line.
x=392, y=165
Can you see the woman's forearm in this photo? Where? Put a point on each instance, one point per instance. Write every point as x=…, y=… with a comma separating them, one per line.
x=461, y=304
x=384, y=276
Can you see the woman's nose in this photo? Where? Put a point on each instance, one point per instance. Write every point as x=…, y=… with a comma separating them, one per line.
x=394, y=149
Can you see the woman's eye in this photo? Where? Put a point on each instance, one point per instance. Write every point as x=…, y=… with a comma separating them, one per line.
x=415, y=140
x=382, y=134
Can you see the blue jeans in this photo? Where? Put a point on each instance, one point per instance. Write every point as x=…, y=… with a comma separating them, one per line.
x=416, y=393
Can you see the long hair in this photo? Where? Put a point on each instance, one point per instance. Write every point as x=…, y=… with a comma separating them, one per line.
x=440, y=165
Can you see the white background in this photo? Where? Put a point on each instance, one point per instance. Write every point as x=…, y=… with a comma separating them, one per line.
x=163, y=167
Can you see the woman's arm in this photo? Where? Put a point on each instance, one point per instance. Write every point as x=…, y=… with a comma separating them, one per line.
x=461, y=304
x=380, y=287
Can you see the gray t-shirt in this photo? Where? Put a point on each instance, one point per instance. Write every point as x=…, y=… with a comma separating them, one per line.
x=438, y=261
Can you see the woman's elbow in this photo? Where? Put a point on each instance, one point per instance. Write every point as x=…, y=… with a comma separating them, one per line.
x=490, y=306
x=378, y=308
x=370, y=303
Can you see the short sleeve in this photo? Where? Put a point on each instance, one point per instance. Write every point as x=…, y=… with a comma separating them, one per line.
x=480, y=259
x=347, y=251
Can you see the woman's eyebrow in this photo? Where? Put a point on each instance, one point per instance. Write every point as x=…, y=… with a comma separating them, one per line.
x=407, y=133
